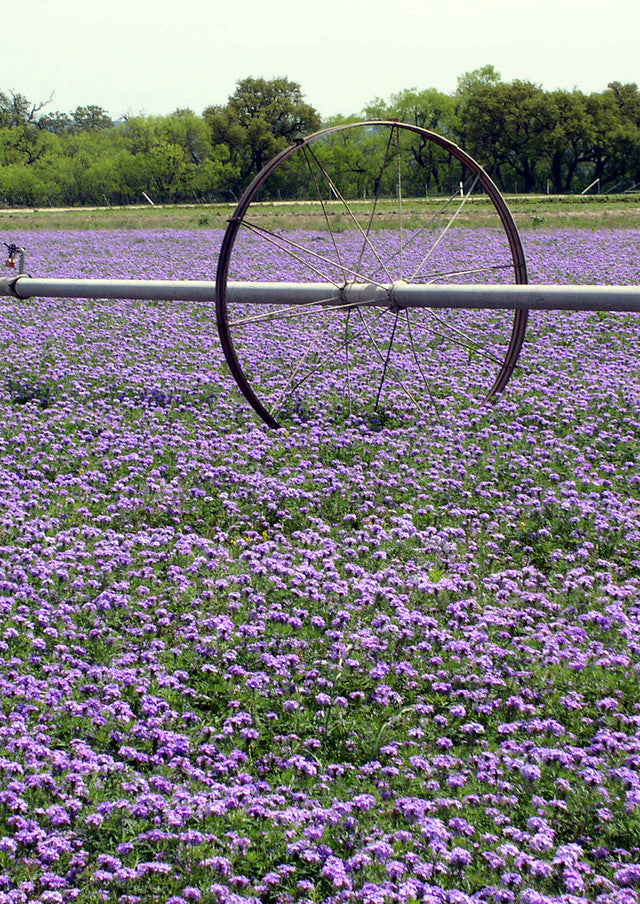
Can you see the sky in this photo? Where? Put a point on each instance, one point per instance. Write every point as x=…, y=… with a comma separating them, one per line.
x=152, y=56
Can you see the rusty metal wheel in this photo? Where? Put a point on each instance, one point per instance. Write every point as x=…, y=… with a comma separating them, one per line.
x=388, y=203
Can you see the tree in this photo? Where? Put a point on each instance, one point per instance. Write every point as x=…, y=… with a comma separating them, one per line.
x=22, y=186
x=606, y=133
x=91, y=119
x=260, y=118
x=507, y=126
x=429, y=109
x=191, y=133
x=24, y=144
x=485, y=77
x=56, y=122
x=625, y=158
x=570, y=139
x=277, y=102
x=17, y=110
x=524, y=135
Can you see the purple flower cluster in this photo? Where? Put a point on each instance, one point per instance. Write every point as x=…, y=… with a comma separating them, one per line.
x=334, y=663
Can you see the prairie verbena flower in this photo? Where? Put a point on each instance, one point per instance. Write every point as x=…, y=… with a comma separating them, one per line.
x=350, y=661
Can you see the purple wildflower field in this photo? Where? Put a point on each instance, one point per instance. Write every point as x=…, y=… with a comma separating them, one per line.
x=341, y=662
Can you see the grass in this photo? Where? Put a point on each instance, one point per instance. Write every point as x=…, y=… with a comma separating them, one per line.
x=558, y=211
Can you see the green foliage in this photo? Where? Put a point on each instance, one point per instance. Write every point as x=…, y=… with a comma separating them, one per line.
x=530, y=140
x=508, y=126
x=429, y=109
x=91, y=118
x=486, y=75
x=260, y=118
x=528, y=137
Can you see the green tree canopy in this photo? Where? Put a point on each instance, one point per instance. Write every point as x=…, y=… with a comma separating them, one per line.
x=260, y=118
x=527, y=138
x=508, y=126
x=91, y=118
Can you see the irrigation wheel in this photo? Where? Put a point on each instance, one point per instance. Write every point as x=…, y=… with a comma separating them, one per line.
x=387, y=202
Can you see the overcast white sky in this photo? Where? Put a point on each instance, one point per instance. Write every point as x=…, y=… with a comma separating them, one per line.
x=153, y=56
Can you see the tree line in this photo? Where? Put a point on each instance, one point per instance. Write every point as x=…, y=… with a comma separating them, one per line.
x=529, y=139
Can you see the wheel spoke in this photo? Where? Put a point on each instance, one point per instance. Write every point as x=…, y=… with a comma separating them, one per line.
x=292, y=311
x=337, y=355
x=323, y=205
x=399, y=195
x=418, y=233
x=467, y=271
x=416, y=358
x=286, y=245
x=386, y=360
x=354, y=219
x=444, y=231
x=318, y=365
x=463, y=341
x=376, y=197
x=283, y=392
x=346, y=358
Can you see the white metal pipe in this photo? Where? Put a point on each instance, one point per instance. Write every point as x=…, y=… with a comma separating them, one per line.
x=512, y=297
x=397, y=295
x=28, y=287
x=169, y=290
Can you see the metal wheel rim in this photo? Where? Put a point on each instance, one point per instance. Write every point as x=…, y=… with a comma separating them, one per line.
x=225, y=331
